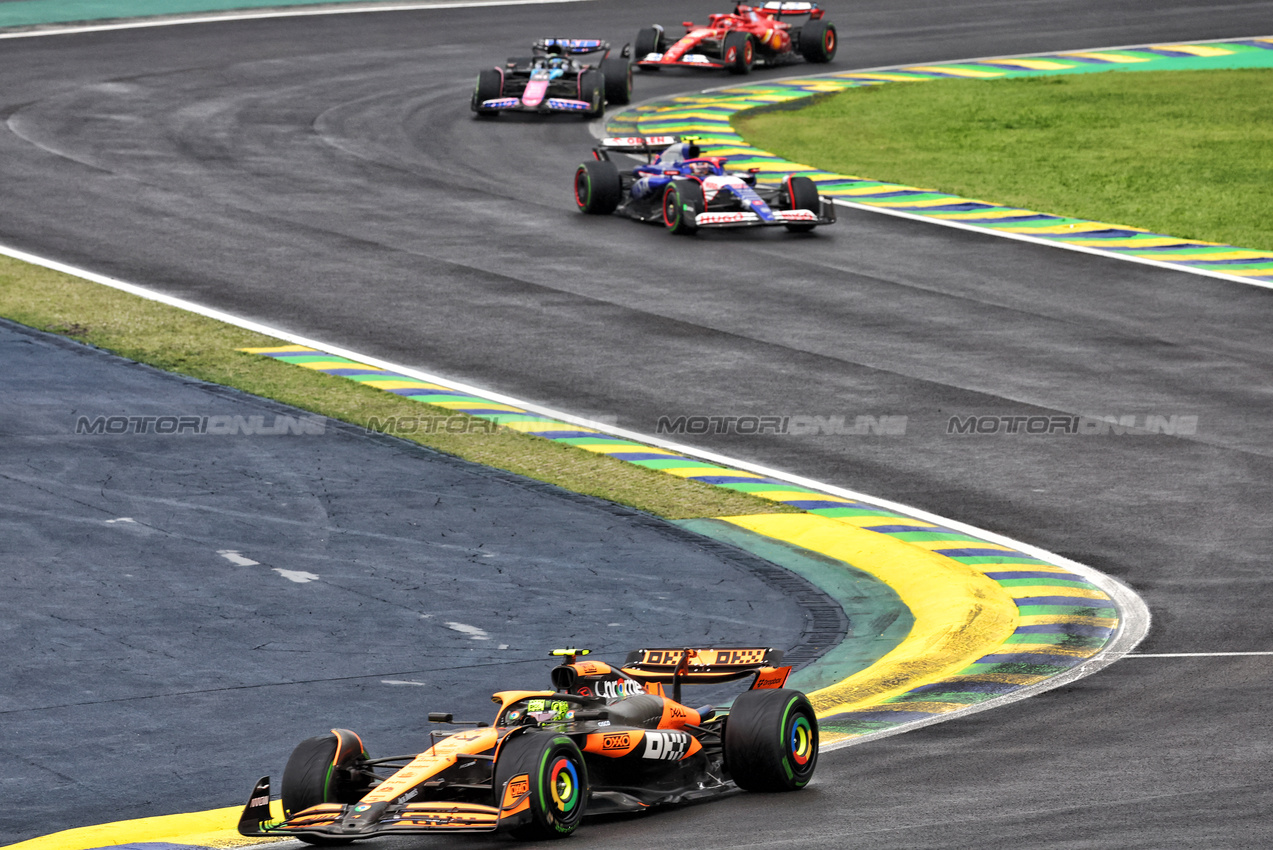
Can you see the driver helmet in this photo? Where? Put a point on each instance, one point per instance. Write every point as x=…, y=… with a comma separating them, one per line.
x=700, y=168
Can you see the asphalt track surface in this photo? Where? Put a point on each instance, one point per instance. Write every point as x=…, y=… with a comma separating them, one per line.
x=324, y=175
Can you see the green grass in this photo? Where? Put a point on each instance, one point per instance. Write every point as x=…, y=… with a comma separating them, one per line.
x=177, y=341
x=1184, y=153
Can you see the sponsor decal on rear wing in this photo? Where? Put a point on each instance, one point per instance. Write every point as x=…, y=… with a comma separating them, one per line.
x=640, y=144
x=780, y=9
x=706, y=666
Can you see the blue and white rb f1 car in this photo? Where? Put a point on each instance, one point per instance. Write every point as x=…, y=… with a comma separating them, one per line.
x=554, y=80
x=687, y=191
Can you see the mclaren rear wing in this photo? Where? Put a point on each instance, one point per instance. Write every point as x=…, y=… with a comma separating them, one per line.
x=692, y=666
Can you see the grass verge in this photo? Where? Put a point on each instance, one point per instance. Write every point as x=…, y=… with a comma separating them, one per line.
x=177, y=341
x=1183, y=153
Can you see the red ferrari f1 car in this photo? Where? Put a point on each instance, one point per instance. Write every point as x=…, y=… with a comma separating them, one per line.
x=750, y=35
x=553, y=79
x=687, y=191
x=604, y=740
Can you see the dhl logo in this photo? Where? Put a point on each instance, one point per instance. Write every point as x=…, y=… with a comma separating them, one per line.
x=705, y=657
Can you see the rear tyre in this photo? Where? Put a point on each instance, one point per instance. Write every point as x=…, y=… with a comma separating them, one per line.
x=592, y=90
x=771, y=740
x=558, y=782
x=818, y=41
x=647, y=42
x=598, y=188
x=682, y=202
x=490, y=85
x=738, y=52
x=618, y=74
x=799, y=193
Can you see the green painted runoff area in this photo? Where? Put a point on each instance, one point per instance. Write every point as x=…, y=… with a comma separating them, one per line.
x=1183, y=152
x=878, y=619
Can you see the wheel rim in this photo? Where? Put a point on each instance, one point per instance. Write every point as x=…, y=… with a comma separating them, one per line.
x=828, y=42
x=565, y=788
x=800, y=741
x=747, y=54
x=583, y=188
x=671, y=208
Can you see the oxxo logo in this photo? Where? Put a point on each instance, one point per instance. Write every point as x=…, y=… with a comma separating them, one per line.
x=518, y=787
x=666, y=746
x=621, y=741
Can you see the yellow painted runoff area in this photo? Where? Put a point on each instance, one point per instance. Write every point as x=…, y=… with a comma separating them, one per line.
x=960, y=615
x=215, y=828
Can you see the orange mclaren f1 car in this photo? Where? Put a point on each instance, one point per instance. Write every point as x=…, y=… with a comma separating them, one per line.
x=604, y=740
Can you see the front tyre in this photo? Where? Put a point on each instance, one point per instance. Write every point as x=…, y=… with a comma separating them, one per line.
x=490, y=85
x=647, y=42
x=598, y=187
x=558, y=782
x=771, y=740
x=738, y=52
x=682, y=202
x=818, y=42
x=799, y=193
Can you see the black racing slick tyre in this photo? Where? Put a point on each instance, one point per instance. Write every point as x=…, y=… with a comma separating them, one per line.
x=771, y=740
x=490, y=85
x=647, y=42
x=738, y=52
x=818, y=41
x=618, y=73
x=799, y=193
x=598, y=187
x=682, y=202
x=324, y=769
x=556, y=783
x=592, y=90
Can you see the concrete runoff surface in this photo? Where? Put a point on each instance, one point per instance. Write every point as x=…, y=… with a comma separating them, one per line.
x=175, y=601
x=326, y=176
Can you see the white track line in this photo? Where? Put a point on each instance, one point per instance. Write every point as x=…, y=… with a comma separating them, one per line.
x=1134, y=614
x=1193, y=654
x=246, y=15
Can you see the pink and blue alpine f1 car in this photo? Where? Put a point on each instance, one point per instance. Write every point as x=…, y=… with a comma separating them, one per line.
x=687, y=191
x=553, y=80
